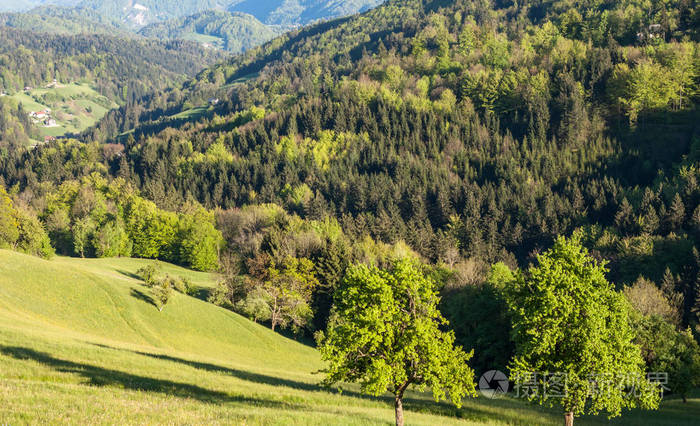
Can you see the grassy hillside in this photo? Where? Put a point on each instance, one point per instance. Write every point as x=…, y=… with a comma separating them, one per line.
x=75, y=107
x=81, y=342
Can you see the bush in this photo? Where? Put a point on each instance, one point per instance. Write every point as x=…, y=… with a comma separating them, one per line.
x=149, y=274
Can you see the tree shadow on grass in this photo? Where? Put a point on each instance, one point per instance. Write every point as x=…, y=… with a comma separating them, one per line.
x=98, y=376
x=239, y=374
x=411, y=403
x=130, y=274
x=143, y=296
x=202, y=293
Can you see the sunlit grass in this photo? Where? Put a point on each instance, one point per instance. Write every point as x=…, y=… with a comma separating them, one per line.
x=79, y=346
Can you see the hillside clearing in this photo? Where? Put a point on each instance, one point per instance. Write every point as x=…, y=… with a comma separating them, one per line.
x=74, y=106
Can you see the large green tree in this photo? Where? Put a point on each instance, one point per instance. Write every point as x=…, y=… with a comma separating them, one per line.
x=386, y=333
x=573, y=337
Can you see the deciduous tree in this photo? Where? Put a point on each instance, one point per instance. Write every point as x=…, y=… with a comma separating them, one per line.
x=386, y=333
x=572, y=334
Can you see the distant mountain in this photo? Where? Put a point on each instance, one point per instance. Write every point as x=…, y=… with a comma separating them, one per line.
x=233, y=25
x=22, y=5
x=139, y=13
x=235, y=32
x=63, y=20
x=300, y=12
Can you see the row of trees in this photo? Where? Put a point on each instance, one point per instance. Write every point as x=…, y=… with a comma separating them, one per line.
x=577, y=343
x=93, y=217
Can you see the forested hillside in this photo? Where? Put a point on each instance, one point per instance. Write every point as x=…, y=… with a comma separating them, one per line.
x=235, y=32
x=462, y=133
x=63, y=20
x=136, y=14
x=231, y=25
x=123, y=70
x=20, y=5
x=300, y=12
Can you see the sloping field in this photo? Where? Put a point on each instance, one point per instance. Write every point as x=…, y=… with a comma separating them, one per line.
x=82, y=343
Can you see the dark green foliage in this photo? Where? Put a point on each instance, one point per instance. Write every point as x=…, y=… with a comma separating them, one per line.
x=124, y=69
x=62, y=20
x=478, y=314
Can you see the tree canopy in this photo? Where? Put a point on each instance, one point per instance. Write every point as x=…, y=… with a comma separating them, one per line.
x=386, y=333
x=573, y=340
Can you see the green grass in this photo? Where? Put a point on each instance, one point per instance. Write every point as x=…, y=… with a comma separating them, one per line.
x=192, y=113
x=73, y=101
x=82, y=343
x=214, y=41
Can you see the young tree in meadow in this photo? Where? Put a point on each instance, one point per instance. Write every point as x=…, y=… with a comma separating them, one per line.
x=573, y=337
x=149, y=274
x=162, y=292
x=386, y=333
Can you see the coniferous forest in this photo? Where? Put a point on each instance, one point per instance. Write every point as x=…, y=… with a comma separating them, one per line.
x=475, y=138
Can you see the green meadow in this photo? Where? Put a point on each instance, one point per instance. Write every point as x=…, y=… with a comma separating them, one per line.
x=74, y=106
x=81, y=342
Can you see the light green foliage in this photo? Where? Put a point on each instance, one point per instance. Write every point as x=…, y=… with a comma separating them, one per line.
x=668, y=351
x=151, y=230
x=568, y=319
x=149, y=274
x=328, y=146
x=162, y=291
x=377, y=253
x=215, y=154
x=645, y=297
x=84, y=347
x=284, y=297
x=33, y=238
x=9, y=232
x=386, y=333
x=297, y=197
x=645, y=87
x=98, y=218
x=200, y=241
x=21, y=230
x=468, y=36
x=111, y=240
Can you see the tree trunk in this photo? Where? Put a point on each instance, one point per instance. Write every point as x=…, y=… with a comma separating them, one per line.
x=569, y=419
x=398, y=406
x=685, y=399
